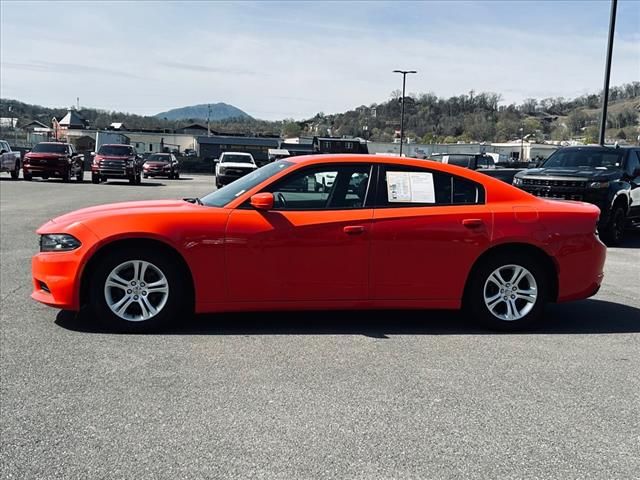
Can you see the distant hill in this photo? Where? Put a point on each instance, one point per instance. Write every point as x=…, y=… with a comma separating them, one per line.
x=219, y=111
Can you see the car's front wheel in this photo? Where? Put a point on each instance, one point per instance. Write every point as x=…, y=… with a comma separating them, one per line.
x=136, y=290
x=613, y=233
x=15, y=173
x=508, y=292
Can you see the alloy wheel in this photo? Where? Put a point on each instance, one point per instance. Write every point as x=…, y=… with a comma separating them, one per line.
x=510, y=292
x=136, y=290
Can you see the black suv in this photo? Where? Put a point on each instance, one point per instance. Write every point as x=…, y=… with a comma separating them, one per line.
x=608, y=177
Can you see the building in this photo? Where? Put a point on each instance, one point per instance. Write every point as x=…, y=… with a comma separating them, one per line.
x=340, y=145
x=212, y=147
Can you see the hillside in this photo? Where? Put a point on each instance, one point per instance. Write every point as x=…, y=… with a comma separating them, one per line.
x=213, y=111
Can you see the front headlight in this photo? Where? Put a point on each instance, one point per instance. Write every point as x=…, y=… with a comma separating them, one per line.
x=58, y=242
x=221, y=170
x=599, y=185
x=517, y=181
x=129, y=163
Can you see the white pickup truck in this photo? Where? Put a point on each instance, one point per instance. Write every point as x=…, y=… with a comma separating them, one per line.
x=9, y=160
x=233, y=165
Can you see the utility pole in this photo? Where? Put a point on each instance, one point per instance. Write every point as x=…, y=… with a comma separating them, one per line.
x=404, y=82
x=521, y=159
x=208, y=120
x=607, y=71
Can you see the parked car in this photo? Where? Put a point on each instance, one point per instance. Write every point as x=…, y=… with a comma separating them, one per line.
x=9, y=160
x=53, y=159
x=233, y=165
x=414, y=234
x=190, y=152
x=478, y=161
x=161, y=165
x=608, y=177
x=117, y=161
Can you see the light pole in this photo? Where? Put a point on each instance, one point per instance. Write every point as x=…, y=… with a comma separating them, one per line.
x=607, y=71
x=521, y=144
x=404, y=82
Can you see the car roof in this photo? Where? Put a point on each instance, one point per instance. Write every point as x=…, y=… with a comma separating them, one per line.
x=237, y=153
x=115, y=145
x=597, y=147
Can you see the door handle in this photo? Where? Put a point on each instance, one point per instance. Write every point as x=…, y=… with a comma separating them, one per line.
x=353, y=229
x=472, y=222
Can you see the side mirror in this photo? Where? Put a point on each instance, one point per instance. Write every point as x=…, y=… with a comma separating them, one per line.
x=262, y=201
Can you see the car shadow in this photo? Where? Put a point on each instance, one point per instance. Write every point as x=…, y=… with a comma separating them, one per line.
x=142, y=184
x=631, y=238
x=584, y=317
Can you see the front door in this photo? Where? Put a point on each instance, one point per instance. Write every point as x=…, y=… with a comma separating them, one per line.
x=313, y=245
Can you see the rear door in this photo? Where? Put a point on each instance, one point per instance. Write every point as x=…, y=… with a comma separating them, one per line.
x=428, y=229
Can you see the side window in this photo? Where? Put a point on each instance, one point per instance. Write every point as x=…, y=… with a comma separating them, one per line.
x=336, y=187
x=416, y=187
x=634, y=162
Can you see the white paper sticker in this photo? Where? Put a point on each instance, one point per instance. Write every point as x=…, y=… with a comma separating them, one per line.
x=410, y=187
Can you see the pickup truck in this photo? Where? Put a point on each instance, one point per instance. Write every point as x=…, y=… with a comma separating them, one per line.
x=53, y=159
x=608, y=177
x=477, y=161
x=116, y=161
x=9, y=160
x=233, y=165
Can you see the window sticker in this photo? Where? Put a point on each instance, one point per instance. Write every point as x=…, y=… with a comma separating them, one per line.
x=410, y=187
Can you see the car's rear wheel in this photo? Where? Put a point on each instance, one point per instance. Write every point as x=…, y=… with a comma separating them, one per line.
x=508, y=292
x=27, y=176
x=95, y=179
x=137, y=290
x=613, y=233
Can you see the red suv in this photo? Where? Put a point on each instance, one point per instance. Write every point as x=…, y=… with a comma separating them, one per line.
x=116, y=161
x=52, y=159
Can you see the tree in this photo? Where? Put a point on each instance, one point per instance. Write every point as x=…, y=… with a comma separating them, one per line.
x=291, y=129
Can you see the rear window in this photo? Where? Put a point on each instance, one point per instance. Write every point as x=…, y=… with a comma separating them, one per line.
x=460, y=161
x=50, y=148
x=116, y=150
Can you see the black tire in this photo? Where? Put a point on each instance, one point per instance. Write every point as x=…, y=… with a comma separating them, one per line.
x=173, y=308
x=66, y=176
x=27, y=176
x=80, y=175
x=95, y=179
x=479, y=284
x=218, y=184
x=145, y=176
x=15, y=173
x=176, y=175
x=613, y=234
x=133, y=180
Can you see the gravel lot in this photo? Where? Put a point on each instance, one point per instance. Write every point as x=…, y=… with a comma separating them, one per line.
x=310, y=395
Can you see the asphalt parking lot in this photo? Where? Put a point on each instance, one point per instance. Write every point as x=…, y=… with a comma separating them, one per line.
x=310, y=395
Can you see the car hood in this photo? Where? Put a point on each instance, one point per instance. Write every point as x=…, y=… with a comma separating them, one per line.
x=238, y=165
x=124, y=208
x=573, y=172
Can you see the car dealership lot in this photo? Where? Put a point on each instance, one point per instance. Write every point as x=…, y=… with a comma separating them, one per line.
x=310, y=395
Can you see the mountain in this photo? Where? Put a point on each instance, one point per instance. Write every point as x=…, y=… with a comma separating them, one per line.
x=219, y=111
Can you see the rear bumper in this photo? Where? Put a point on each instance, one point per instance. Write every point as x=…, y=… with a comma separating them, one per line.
x=580, y=268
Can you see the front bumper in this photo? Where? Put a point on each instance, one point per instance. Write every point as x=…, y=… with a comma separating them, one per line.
x=226, y=178
x=125, y=172
x=46, y=170
x=56, y=275
x=156, y=173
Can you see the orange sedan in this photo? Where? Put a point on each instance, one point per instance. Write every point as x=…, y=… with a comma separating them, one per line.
x=392, y=233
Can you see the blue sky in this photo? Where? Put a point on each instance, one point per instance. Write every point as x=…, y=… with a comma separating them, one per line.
x=292, y=59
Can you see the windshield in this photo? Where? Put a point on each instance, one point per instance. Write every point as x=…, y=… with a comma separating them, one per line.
x=236, y=159
x=50, y=148
x=158, y=158
x=116, y=150
x=588, y=157
x=221, y=197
